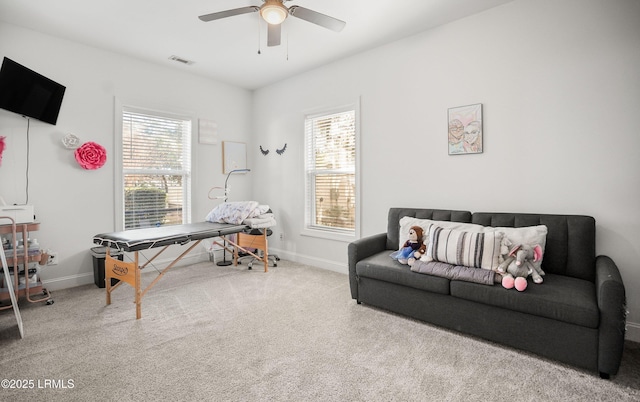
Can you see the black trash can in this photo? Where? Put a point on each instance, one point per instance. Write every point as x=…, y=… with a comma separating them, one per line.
x=99, y=256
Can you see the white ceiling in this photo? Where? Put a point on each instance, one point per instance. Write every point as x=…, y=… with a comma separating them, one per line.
x=227, y=49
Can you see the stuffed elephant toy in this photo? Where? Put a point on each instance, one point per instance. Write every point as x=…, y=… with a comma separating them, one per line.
x=519, y=265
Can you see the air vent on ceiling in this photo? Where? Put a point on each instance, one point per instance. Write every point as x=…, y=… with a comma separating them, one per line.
x=181, y=60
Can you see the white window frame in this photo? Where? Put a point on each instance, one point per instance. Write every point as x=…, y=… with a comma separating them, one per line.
x=322, y=232
x=120, y=107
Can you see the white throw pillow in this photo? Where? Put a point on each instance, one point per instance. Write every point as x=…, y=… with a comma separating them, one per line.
x=531, y=235
x=406, y=222
x=469, y=249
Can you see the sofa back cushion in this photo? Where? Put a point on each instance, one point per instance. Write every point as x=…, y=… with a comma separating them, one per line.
x=395, y=214
x=571, y=240
x=469, y=249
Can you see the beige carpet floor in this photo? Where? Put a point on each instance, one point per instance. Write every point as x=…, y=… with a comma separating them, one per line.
x=293, y=334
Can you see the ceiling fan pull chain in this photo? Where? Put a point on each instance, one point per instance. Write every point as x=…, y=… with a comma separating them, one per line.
x=259, y=38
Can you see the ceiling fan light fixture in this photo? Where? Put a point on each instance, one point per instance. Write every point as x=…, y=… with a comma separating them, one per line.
x=274, y=12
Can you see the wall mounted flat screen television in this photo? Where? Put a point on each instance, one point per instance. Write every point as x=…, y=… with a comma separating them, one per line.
x=28, y=93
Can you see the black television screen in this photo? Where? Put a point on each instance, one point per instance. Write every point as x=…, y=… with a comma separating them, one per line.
x=28, y=93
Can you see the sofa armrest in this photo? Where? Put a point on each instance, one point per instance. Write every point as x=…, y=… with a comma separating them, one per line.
x=359, y=250
x=611, y=299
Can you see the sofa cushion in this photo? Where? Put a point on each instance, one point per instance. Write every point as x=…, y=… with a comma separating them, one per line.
x=380, y=266
x=395, y=214
x=458, y=247
x=559, y=297
x=531, y=235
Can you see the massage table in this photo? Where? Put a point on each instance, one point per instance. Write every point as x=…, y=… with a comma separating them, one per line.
x=163, y=237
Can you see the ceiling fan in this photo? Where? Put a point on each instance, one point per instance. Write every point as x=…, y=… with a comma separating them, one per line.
x=274, y=12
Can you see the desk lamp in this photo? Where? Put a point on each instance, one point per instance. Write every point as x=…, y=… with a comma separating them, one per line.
x=226, y=189
x=224, y=261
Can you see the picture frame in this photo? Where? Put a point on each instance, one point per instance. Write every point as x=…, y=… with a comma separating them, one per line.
x=234, y=156
x=465, y=133
x=207, y=132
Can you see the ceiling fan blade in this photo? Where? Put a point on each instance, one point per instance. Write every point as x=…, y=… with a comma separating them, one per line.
x=317, y=18
x=273, y=34
x=228, y=13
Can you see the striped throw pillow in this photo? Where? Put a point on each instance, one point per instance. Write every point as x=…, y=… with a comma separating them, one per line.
x=477, y=250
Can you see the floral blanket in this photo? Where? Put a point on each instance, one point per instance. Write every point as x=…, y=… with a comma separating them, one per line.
x=236, y=212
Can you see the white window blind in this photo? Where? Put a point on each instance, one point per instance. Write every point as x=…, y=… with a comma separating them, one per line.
x=156, y=167
x=331, y=172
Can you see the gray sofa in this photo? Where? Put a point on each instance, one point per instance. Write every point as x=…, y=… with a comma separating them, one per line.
x=576, y=316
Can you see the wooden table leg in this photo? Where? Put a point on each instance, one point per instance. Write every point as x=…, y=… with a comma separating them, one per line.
x=107, y=280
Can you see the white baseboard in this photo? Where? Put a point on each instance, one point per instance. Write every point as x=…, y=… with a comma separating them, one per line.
x=66, y=282
x=86, y=278
x=633, y=332
x=313, y=261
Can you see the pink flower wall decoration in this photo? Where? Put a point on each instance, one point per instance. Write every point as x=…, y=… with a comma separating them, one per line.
x=91, y=156
x=2, y=147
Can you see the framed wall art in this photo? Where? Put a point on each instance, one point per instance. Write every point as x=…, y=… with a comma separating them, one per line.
x=234, y=156
x=465, y=129
x=207, y=132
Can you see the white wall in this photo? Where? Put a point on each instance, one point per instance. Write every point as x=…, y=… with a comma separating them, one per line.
x=560, y=88
x=73, y=204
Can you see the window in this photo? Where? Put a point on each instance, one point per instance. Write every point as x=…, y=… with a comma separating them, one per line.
x=156, y=168
x=331, y=176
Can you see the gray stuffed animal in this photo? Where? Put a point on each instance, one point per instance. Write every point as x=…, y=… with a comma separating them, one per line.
x=519, y=265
